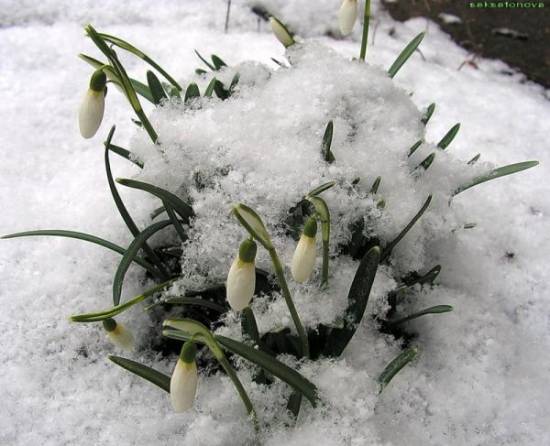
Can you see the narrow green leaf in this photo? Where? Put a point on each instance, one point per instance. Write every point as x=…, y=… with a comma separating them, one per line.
x=218, y=62
x=125, y=154
x=405, y=54
x=142, y=89
x=200, y=71
x=437, y=309
x=389, y=247
x=327, y=143
x=220, y=90
x=175, y=222
x=497, y=173
x=294, y=403
x=208, y=64
x=137, y=52
x=157, y=212
x=449, y=136
x=249, y=325
x=396, y=365
x=155, y=86
x=192, y=92
x=272, y=365
x=474, y=160
x=112, y=312
x=320, y=189
x=426, y=162
x=183, y=209
x=131, y=253
x=162, y=273
x=210, y=88
x=179, y=300
x=147, y=373
x=375, y=185
x=85, y=237
x=234, y=82
x=358, y=297
x=428, y=114
x=414, y=147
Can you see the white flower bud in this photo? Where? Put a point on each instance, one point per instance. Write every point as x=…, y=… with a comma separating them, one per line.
x=183, y=385
x=119, y=335
x=347, y=16
x=241, y=279
x=303, y=260
x=92, y=107
x=281, y=32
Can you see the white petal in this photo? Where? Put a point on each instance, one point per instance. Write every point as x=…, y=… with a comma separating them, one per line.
x=303, y=260
x=241, y=281
x=121, y=337
x=183, y=385
x=347, y=16
x=91, y=113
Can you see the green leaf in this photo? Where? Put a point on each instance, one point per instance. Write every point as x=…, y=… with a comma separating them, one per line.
x=405, y=54
x=85, y=237
x=200, y=71
x=358, y=297
x=192, y=92
x=147, y=373
x=426, y=162
x=155, y=86
x=218, y=62
x=497, y=173
x=474, y=160
x=131, y=253
x=208, y=64
x=137, y=52
x=428, y=114
x=449, y=136
x=375, y=185
x=157, y=212
x=253, y=223
x=414, y=147
x=327, y=142
x=389, y=247
x=183, y=209
x=162, y=273
x=180, y=300
x=210, y=88
x=437, y=309
x=125, y=154
x=220, y=90
x=320, y=189
x=176, y=223
x=112, y=312
x=272, y=365
x=396, y=365
x=234, y=82
x=249, y=325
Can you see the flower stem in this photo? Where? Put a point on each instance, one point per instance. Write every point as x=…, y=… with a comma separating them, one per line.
x=240, y=389
x=324, y=271
x=366, y=19
x=290, y=304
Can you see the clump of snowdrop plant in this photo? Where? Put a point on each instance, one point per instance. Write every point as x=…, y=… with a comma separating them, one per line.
x=325, y=211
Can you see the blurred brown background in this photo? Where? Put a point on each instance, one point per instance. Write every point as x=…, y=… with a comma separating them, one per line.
x=519, y=36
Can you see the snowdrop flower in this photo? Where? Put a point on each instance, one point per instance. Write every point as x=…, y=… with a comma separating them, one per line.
x=281, y=32
x=303, y=260
x=183, y=384
x=347, y=16
x=93, y=105
x=118, y=334
x=241, y=279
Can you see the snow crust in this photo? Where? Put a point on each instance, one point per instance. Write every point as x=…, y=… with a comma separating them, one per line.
x=482, y=376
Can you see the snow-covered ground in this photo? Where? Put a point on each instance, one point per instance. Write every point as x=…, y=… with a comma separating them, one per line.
x=483, y=375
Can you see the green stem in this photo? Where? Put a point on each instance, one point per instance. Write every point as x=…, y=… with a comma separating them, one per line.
x=290, y=304
x=147, y=125
x=240, y=389
x=102, y=315
x=366, y=19
x=324, y=271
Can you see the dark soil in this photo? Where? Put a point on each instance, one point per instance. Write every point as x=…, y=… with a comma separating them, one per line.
x=519, y=36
